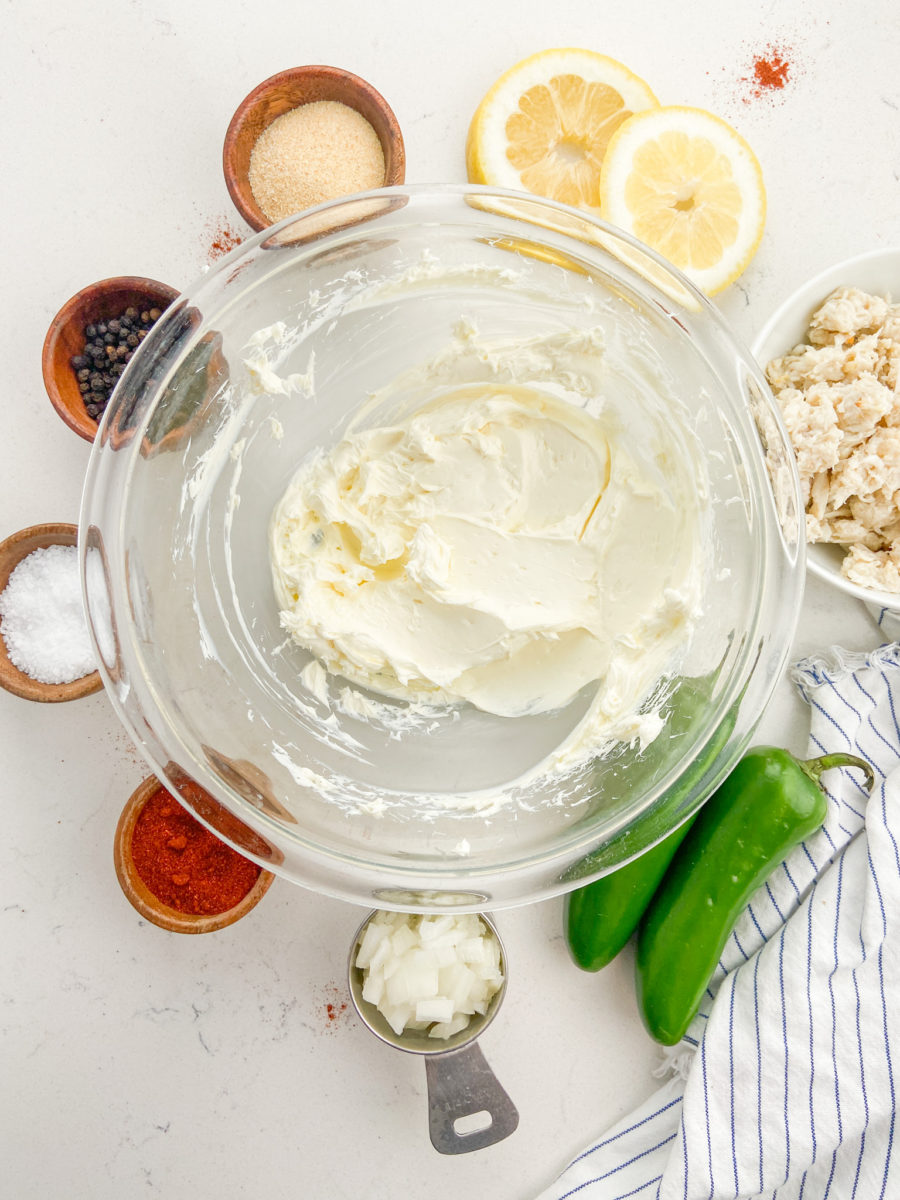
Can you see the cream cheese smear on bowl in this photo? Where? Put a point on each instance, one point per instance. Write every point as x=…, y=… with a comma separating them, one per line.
x=506, y=542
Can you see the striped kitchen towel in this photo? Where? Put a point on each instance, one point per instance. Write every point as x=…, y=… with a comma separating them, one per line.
x=790, y=1087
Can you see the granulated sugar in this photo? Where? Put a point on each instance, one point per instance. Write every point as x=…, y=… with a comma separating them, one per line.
x=316, y=152
x=42, y=619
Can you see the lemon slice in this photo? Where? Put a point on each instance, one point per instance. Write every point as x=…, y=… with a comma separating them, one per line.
x=544, y=126
x=684, y=182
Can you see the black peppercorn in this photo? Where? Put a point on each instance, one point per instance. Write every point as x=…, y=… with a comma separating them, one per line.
x=108, y=347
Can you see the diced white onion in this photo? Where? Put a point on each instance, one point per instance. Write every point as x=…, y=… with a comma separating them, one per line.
x=373, y=988
x=373, y=935
x=398, y=1016
x=429, y=972
x=472, y=950
x=403, y=939
x=445, y=1029
x=436, y=1008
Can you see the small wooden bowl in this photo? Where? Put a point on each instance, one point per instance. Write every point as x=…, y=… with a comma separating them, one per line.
x=65, y=338
x=140, y=896
x=288, y=90
x=12, y=551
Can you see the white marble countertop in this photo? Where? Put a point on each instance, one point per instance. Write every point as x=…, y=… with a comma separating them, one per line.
x=140, y=1063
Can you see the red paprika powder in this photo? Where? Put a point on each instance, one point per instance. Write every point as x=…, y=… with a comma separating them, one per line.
x=771, y=70
x=224, y=239
x=183, y=864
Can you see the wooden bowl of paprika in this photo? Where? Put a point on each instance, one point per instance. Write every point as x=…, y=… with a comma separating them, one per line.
x=175, y=872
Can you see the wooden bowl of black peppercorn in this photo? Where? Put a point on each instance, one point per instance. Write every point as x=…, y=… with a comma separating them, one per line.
x=91, y=340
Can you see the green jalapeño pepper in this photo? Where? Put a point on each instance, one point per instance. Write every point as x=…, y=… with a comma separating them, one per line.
x=600, y=917
x=769, y=803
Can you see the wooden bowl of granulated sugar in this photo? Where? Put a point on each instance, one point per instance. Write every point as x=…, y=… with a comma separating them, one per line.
x=43, y=640
x=306, y=136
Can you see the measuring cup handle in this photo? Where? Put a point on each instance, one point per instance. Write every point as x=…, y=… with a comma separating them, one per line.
x=461, y=1084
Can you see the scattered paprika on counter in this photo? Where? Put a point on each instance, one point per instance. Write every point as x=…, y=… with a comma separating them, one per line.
x=771, y=71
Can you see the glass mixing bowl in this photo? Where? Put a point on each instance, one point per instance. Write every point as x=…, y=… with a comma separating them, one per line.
x=207, y=427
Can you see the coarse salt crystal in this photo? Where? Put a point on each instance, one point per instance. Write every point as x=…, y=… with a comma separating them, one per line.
x=42, y=617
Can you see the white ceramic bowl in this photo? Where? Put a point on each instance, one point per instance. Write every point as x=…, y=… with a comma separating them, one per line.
x=877, y=272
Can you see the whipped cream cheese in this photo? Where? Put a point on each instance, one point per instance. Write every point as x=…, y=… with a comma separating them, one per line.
x=503, y=543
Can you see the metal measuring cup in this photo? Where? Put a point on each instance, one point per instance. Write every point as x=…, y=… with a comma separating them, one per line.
x=460, y=1083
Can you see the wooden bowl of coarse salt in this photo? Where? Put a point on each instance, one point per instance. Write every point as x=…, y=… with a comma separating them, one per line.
x=305, y=136
x=45, y=651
